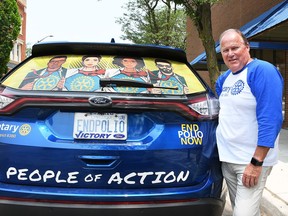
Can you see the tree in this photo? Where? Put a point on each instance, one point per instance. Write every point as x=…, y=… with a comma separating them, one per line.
x=199, y=11
x=10, y=23
x=28, y=49
x=158, y=22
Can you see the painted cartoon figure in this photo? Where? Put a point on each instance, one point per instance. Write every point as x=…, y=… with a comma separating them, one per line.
x=130, y=68
x=165, y=77
x=86, y=78
x=50, y=78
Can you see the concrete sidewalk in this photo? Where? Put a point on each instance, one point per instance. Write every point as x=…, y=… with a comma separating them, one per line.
x=275, y=196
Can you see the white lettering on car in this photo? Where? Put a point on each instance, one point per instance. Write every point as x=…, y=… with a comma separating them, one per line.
x=8, y=127
x=35, y=176
x=158, y=177
x=13, y=173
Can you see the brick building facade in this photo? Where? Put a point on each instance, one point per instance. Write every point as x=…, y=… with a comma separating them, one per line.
x=18, y=52
x=235, y=14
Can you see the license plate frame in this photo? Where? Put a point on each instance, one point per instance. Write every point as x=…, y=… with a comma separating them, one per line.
x=100, y=126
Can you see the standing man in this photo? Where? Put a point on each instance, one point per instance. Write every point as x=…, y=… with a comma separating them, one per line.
x=250, y=119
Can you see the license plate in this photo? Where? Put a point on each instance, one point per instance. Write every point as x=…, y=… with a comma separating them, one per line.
x=104, y=126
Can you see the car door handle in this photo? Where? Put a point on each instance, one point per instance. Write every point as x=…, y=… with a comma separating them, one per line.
x=99, y=161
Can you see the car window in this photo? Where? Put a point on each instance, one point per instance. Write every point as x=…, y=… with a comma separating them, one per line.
x=83, y=73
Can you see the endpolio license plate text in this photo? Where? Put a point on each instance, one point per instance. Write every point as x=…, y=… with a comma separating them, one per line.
x=107, y=126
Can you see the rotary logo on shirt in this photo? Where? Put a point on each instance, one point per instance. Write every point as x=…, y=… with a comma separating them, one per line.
x=237, y=87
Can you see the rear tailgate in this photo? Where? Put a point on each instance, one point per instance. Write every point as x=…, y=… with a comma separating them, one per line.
x=162, y=149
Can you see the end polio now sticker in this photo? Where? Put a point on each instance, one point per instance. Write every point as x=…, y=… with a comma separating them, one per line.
x=104, y=126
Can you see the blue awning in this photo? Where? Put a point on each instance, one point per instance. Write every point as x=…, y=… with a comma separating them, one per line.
x=270, y=18
x=265, y=21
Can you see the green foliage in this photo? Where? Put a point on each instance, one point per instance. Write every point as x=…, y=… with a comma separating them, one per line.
x=199, y=11
x=154, y=22
x=10, y=23
x=28, y=49
x=193, y=7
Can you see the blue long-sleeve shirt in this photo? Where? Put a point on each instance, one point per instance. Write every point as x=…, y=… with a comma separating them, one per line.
x=250, y=112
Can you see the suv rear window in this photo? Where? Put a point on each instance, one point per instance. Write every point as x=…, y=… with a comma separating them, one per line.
x=84, y=72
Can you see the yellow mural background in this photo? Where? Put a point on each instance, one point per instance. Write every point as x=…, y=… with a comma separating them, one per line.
x=74, y=62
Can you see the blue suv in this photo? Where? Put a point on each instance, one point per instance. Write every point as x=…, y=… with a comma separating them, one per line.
x=110, y=129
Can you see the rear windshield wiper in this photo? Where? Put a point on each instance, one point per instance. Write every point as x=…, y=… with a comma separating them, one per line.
x=130, y=83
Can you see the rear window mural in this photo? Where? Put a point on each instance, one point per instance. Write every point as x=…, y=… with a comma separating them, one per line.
x=83, y=73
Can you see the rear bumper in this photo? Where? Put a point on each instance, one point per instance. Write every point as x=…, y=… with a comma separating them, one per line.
x=203, y=207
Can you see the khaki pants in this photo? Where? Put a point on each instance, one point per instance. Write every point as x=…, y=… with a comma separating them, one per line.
x=245, y=201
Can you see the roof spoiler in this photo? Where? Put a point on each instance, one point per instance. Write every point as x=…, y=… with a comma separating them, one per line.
x=87, y=48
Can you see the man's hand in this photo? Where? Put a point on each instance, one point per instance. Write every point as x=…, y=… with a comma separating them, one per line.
x=60, y=84
x=251, y=175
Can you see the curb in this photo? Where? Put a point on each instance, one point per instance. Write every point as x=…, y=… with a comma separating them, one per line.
x=271, y=205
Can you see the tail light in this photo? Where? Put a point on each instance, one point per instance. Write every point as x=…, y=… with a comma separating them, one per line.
x=200, y=107
x=5, y=101
x=207, y=107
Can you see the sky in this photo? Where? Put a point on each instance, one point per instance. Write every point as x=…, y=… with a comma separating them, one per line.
x=79, y=21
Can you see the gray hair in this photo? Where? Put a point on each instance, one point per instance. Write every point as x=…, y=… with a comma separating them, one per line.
x=245, y=40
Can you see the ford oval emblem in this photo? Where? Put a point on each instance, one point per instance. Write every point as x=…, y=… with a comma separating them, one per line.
x=102, y=101
x=119, y=136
